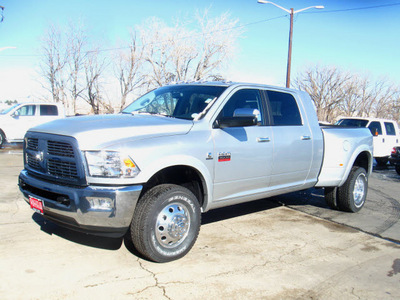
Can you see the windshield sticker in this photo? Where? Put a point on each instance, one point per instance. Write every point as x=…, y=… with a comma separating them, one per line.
x=224, y=156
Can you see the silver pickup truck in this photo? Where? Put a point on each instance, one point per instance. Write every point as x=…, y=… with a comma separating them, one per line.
x=180, y=150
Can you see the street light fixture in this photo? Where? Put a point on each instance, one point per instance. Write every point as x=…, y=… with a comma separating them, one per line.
x=291, y=12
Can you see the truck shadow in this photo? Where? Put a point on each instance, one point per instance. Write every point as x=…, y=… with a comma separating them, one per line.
x=77, y=237
x=312, y=197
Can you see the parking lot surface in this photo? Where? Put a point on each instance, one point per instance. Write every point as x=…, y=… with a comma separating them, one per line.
x=290, y=247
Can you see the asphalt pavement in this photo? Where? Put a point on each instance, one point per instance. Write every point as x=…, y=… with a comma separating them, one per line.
x=287, y=247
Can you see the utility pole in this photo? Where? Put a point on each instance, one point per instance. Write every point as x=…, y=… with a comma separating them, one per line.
x=291, y=12
x=289, y=59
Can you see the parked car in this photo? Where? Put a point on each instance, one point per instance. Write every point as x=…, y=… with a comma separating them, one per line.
x=394, y=159
x=17, y=119
x=385, y=132
x=184, y=149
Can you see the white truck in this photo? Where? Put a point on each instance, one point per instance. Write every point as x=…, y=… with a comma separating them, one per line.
x=385, y=132
x=181, y=150
x=17, y=119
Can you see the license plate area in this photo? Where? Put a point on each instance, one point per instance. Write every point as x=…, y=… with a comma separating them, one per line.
x=36, y=204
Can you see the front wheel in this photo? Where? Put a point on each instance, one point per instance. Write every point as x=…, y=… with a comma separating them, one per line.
x=166, y=223
x=352, y=194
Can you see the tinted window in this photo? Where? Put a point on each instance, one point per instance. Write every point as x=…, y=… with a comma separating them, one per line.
x=48, y=110
x=244, y=102
x=352, y=123
x=390, y=128
x=285, y=111
x=27, y=110
x=375, y=127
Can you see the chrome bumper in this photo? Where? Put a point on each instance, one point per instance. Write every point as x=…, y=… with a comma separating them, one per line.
x=72, y=207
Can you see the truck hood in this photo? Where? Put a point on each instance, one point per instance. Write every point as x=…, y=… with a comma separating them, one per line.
x=100, y=131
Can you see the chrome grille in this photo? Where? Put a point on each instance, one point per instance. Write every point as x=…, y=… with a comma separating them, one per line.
x=62, y=169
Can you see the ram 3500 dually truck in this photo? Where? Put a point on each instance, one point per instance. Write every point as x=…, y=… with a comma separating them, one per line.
x=183, y=149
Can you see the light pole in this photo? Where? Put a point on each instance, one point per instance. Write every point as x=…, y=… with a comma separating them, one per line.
x=291, y=12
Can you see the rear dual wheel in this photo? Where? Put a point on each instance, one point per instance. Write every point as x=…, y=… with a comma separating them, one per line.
x=166, y=223
x=351, y=195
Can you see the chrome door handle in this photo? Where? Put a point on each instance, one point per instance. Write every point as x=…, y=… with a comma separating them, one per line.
x=263, y=140
x=306, y=137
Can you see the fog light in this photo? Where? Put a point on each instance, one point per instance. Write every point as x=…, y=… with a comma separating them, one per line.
x=98, y=203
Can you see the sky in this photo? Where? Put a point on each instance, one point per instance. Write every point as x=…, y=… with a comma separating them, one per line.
x=362, y=37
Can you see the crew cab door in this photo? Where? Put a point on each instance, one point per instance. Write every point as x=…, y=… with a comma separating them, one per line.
x=242, y=154
x=293, y=141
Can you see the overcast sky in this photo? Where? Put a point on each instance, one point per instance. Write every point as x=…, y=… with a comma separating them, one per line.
x=358, y=36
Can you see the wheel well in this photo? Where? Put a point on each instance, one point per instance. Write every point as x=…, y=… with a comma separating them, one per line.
x=180, y=175
x=363, y=160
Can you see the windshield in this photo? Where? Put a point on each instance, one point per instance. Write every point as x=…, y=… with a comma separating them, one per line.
x=7, y=110
x=352, y=123
x=178, y=101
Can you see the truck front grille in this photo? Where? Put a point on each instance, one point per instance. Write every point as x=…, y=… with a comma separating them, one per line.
x=32, y=144
x=62, y=169
x=54, y=157
x=60, y=149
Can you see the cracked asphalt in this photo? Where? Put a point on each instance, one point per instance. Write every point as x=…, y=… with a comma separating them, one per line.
x=289, y=247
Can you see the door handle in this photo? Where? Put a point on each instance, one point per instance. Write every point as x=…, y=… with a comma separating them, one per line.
x=263, y=140
x=306, y=137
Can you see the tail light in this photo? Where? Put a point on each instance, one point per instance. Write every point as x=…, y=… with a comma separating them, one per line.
x=394, y=150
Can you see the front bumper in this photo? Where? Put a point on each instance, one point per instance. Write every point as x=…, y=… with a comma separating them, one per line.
x=71, y=206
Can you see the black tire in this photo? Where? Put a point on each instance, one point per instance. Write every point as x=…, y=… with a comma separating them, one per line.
x=166, y=223
x=2, y=138
x=382, y=161
x=331, y=197
x=352, y=194
x=397, y=167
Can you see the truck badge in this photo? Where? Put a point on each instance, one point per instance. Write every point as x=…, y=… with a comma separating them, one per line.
x=224, y=156
x=39, y=156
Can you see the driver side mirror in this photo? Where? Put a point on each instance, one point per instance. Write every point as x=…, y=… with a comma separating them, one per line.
x=242, y=117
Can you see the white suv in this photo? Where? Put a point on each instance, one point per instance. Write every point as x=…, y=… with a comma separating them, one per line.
x=386, y=135
x=17, y=119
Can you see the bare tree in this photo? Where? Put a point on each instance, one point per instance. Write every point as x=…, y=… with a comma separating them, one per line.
x=219, y=36
x=128, y=69
x=326, y=86
x=178, y=54
x=53, y=64
x=76, y=42
x=339, y=93
x=94, y=67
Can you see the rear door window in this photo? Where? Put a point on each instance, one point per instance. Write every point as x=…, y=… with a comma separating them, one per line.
x=285, y=111
x=48, y=110
x=390, y=128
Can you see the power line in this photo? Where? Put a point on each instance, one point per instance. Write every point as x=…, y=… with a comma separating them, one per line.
x=351, y=9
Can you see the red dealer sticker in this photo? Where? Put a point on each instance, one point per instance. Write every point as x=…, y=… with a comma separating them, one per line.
x=36, y=204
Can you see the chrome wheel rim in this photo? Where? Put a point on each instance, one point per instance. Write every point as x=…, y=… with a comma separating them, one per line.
x=359, y=190
x=172, y=226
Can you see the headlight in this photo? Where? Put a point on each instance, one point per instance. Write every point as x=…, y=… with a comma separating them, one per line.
x=110, y=164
